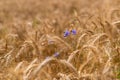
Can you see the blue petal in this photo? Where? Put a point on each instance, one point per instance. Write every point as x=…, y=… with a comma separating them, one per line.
x=67, y=33
x=56, y=54
x=74, y=32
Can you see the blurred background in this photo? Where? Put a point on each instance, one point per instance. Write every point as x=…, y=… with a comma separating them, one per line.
x=56, y=11
x=32, y=34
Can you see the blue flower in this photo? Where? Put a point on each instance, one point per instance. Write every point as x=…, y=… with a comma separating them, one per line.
x=74, y=32
x=56, y=54
x=67, y=33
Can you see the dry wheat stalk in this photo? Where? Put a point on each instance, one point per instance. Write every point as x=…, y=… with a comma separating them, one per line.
x=58, y=39
x=95, y=51
x=70, y=66
x=107, y=66
x=20, y=51
x=40, y=66
x=30, y=66
x=72, y=55
x=18, y=66
x=83, y=65
x=98, y=37
x=79, y=39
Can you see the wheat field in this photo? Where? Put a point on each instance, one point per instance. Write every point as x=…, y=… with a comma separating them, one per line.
x=59, y=40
